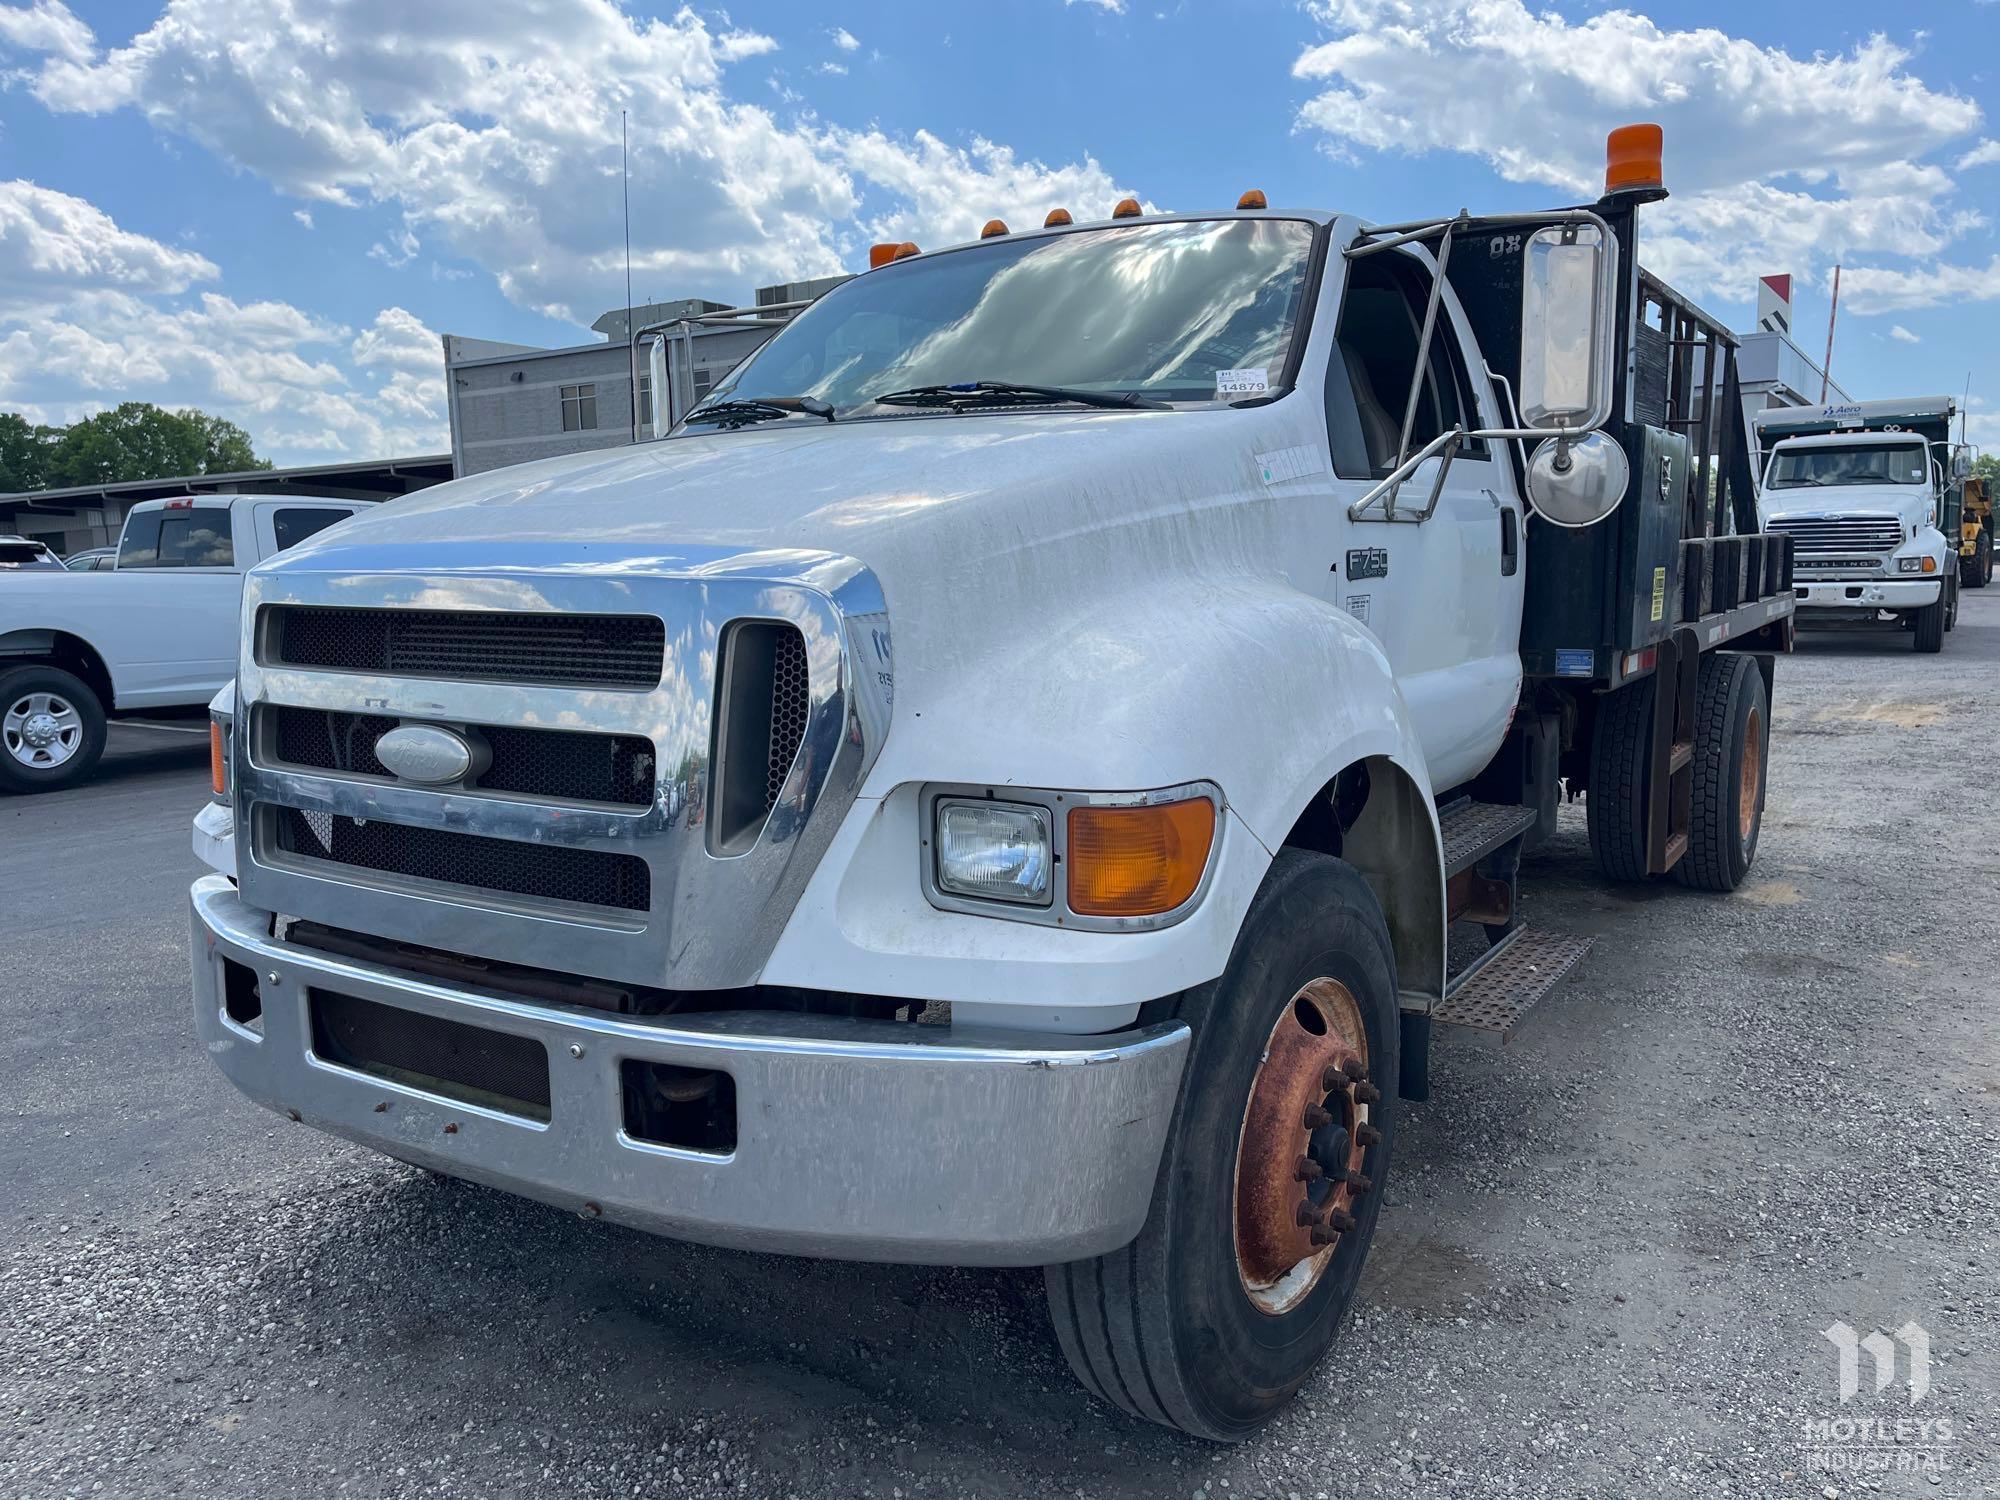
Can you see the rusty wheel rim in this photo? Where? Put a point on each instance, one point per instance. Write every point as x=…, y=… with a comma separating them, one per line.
x=1305, y=1140
x=1750, y=784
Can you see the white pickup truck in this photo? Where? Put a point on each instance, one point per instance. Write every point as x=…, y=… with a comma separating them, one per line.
x=1869, y=492
x=992, y=786
x=158, y=632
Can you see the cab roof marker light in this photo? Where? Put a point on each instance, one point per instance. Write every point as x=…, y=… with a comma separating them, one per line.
x=1056, y=219
x=905, y=250
x=1632, y=159
x=994, y=229
x=1252, y=199
x=882, y=254
x=1128, y=208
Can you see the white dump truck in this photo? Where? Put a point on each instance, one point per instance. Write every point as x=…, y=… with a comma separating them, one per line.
x=1869, y=492
x=994, y=784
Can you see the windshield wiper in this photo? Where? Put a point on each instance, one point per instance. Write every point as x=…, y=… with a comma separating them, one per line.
x=965, y=395
x=737, y=413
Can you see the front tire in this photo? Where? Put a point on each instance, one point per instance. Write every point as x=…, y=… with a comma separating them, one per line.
x=51, y=729
x=1621, y=745
x=1220, y=1310
x=1927, y=626
x=1976, y=571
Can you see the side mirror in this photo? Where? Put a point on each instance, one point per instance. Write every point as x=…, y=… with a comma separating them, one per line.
x=663, y=391
x=1568, y=282
x=1577, y=481
x=1961, y=463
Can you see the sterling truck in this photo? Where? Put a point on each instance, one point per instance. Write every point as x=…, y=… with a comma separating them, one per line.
x=997, y=783
x=1870, y=494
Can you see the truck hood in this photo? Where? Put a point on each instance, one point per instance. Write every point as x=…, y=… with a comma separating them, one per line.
x=1911, y=504
x=1016, y=553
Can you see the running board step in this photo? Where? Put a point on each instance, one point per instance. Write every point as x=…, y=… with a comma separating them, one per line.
x=1472, y=830
x=1505, y=981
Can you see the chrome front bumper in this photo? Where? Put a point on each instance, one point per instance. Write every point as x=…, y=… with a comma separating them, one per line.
x=859, y=1140
x=1873, y=593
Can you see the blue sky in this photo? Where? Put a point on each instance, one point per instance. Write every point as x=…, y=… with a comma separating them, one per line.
x=273, y=211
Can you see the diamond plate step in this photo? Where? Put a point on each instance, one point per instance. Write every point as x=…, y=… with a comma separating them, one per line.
x=1473, y=830
x=1494, y=994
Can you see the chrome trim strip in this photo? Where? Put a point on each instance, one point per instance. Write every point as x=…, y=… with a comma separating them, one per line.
x=867, y=1140
x=713, y=921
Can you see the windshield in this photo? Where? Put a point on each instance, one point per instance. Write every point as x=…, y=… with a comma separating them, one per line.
x=18, y=557
x=1900, y=463
x=1160, y=311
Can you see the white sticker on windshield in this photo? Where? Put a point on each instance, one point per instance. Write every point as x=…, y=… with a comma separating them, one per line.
x=1230, y=384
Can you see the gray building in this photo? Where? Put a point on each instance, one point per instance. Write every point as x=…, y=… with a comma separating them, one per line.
x=511, y=403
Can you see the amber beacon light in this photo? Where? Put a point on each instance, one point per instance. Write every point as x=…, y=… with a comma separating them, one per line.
x=1138, y=861
x=1632, y=156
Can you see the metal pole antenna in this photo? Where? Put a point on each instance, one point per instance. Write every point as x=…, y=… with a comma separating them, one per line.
x=1826, y=370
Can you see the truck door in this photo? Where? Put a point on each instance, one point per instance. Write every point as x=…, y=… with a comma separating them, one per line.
x=177, y=612
x=1444, y=594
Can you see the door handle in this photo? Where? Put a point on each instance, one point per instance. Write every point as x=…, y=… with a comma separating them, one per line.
x=1510, y=541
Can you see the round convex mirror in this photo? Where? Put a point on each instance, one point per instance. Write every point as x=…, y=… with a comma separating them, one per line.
x=1577, y=481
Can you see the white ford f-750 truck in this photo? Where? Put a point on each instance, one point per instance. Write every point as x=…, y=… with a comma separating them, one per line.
x=1869, y=493
x=993, y=784
x=158, y=633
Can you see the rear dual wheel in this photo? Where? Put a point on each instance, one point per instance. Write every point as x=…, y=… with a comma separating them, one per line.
x=1732, y=752
x=1270, y=1184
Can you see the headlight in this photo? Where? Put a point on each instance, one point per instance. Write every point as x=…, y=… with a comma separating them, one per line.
x=995, y=851
x=1909, y=565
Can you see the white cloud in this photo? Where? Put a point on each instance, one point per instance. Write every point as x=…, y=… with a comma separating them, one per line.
x=844, y=39
x=1776, y=162
x=304, y=216
x=1903, y=335
x=833, y=69
x=47, y=26
x=401, y=250
x=1876, y=289
x=92, y=314
x=492, y=132
x=51, y=242
x=1985, y=154
x=1112, y=7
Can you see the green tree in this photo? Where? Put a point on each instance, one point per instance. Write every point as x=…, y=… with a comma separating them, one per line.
x=137, y=440
x=1987, y=467
x=23, y=453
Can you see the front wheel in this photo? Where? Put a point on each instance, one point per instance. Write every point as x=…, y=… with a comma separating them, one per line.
x=51, y=729
x=1732, y=748
x=1271, y=1180
x=1927, y=625
x=1976, y=571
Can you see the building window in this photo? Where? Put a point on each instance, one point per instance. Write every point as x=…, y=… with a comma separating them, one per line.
x=645, y=402
x=579, y=406
x=704, y=382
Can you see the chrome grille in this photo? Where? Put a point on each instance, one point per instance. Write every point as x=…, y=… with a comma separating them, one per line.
x=543, y=872
x=1813, y=539
x=573, y=766
x=624, y=651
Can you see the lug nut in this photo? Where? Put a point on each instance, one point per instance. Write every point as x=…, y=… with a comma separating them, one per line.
x=1353, y=1069
x=1309, y=1170
x=1367, y=1093
x=1368, y=1135
x=1332, y=1080
x=1341, y=1220
x=1315, y=1117
x=1321, y=1235
x=1305, y=1213
x=1361, y=1182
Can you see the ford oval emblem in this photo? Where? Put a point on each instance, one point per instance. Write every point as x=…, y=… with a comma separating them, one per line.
x=418, y=752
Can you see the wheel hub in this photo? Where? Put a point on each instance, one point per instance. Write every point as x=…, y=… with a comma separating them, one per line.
x=39, y=732
x=1750, y=780
x=1304, y=1145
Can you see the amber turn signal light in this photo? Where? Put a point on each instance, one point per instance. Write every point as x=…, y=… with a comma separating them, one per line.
x=1632, y=157
x=1252, y=199
x=1137, y=861
x=217, y=767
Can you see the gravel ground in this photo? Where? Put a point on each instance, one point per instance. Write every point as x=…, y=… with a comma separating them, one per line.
x=1607, y=1256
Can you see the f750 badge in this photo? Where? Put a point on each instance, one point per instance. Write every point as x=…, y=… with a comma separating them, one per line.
x=1368, y=562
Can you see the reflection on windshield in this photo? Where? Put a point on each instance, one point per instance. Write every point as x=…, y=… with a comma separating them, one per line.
x=1901, y=464
x=1156, y=309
